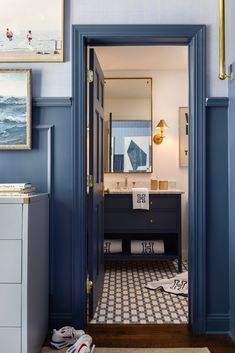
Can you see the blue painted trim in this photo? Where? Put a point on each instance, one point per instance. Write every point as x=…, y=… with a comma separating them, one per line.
x=49, y=129
x=217, y=324
x=79, y=226
x=232, y=336
x=217, y=102
x=194, y=37
x=197, y=183
x=52, y=102
x=59, y=319
x=50, y=189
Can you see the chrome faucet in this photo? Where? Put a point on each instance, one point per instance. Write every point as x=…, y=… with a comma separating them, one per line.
x=126, y=182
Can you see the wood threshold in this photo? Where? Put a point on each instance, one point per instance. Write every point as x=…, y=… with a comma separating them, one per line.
x=156, y=336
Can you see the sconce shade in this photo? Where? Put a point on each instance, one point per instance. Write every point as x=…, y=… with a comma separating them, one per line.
x=162, y=124
x=158, y=138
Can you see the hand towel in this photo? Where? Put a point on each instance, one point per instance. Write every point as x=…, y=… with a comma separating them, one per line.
x=140, y=198
x=175, y=285
x=147, y=247
x=112, y=246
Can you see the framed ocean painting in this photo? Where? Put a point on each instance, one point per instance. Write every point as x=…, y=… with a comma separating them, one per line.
x=15, y=109
x=32, y=31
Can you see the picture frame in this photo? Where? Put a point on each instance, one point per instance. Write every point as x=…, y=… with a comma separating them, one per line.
x=183, y=136
x=15, y=109
x=34, y=31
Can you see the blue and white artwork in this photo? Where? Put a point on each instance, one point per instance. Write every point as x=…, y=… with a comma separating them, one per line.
x=15, y=109
x=31, y=30
x=136, y=154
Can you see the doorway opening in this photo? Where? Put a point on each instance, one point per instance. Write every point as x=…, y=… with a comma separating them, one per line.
x=147, y=35
x=142, y=86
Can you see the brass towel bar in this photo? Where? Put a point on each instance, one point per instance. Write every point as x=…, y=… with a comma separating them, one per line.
x=222, y=64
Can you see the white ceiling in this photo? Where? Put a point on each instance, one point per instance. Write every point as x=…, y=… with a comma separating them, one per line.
x=143, y=58
x=128, y=88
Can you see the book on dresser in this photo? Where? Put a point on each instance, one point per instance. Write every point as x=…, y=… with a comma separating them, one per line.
x=15, y=189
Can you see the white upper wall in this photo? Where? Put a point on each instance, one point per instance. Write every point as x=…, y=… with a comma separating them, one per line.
x=230, y=32
x=54, y=79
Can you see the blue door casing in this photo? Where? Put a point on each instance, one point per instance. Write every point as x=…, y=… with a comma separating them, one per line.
x=194, y=37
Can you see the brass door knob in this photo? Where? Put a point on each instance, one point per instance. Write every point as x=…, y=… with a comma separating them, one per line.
x=89, y=285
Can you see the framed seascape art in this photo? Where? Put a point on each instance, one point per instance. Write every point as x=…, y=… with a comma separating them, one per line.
x=15, y=109
x=32, y=31
x=183, y=136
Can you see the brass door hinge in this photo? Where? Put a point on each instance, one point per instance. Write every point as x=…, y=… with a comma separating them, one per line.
x=90, y=181
x=89, y=286
x=90, y=76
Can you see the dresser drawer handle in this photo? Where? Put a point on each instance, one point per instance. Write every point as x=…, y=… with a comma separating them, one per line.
x=151, y=202
x=151, y=220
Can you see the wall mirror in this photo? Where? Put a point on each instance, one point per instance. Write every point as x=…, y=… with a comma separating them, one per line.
x=128, y=125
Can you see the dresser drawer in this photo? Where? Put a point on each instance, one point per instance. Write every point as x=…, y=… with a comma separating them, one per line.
x=10, y=221
x=10, y=305
x=123, y=201
x=10, y=338
x=141, y=221
x=162, y=202
x=10, y=261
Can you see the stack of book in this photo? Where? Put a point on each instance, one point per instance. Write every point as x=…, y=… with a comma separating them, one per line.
x=16, y=189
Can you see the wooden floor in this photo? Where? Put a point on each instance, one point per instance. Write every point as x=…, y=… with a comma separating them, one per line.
x=156, y=336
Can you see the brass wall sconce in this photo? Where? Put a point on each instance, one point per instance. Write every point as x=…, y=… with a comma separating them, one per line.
x=158, y=138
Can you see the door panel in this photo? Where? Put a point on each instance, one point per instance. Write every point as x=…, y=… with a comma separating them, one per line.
x=96, y=204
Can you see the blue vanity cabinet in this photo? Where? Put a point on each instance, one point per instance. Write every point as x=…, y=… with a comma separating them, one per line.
x=161, y=222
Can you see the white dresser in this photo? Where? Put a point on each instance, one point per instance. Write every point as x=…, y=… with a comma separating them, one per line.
x=24, y=265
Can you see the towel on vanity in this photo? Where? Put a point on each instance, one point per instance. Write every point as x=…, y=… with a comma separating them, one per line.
x=175, y=285
x=112, y=246
x=147, y=247
x=140, y=198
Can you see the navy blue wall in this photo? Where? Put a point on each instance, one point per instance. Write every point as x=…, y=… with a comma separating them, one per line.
x=50, y=167
x=231, y=128
x=217, y=215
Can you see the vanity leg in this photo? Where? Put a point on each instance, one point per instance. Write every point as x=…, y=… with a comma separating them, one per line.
x=179, y=265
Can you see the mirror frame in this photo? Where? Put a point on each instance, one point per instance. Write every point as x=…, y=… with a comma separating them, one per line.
x=151, y=117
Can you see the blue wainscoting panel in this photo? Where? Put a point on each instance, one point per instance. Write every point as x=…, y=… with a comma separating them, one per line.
x=217, y=244
x=49, y=167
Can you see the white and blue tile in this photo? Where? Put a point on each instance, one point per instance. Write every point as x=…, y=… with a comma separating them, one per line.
x=126, y=300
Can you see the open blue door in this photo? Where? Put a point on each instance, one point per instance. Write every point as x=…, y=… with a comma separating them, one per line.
x=96, y=184
x=231, y=161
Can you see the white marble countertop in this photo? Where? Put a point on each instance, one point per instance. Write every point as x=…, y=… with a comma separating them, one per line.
x=129, y=191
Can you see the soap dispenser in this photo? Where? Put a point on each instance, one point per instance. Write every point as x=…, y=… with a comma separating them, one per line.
x=154, y=183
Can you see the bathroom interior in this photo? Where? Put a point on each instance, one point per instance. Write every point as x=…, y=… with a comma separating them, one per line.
x=145, y=147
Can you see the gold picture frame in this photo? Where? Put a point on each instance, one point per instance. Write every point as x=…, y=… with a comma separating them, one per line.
x=183, y=136
x=15, y=109
x=34, y=31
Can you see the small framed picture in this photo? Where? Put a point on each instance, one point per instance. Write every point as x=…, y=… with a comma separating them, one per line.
x=32, y=31
x=183, y=136
x=15, y=109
